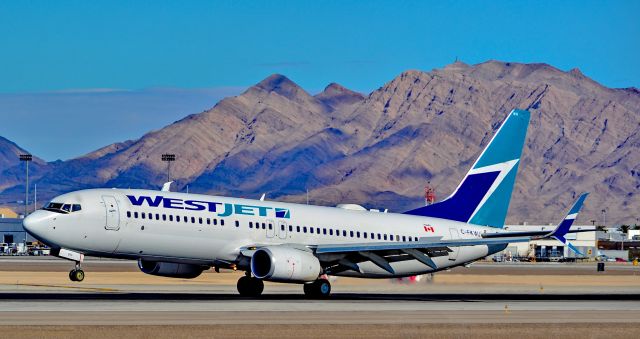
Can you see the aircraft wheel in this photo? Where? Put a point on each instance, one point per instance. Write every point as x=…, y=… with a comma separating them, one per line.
x=320, y=288
x=250, y=286
x=76, y=275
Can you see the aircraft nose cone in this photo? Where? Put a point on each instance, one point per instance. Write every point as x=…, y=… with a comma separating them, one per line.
x=35, y=221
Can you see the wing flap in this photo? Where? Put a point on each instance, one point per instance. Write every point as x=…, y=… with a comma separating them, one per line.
x=387, y=246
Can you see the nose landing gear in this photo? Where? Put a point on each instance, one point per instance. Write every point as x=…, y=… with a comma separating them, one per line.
x=76, y=274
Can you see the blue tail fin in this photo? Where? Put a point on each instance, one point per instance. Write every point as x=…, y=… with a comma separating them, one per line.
x=566, y=223
x=483, y=196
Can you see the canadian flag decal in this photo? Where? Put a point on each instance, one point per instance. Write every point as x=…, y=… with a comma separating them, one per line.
x=429, y=228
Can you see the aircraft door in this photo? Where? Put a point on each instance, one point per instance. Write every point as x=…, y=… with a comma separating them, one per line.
x=453, y=255
x=282, y=230
x=112, y=214
x=271, y=232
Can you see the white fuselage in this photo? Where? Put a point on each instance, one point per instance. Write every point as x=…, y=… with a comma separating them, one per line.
x=203, y=229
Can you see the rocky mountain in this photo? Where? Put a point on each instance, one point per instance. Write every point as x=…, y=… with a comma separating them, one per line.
x=380, y=150
x=12, y=170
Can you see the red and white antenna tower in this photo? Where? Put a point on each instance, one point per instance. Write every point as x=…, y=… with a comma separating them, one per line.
x=429, y=194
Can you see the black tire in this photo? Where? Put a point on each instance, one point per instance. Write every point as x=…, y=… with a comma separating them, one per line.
x=72, y=275
x=323, y=288
x=243, y=286
x=78, y=275
x=320, y=288
x=309, y=290
x=257, y=286
x=250, y=287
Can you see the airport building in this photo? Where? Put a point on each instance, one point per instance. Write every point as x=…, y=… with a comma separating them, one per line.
x=13, y=236
x=550, y=249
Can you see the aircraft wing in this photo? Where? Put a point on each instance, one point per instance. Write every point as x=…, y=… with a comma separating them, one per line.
x=525, y=234
x=344, y=248
x=340, y=257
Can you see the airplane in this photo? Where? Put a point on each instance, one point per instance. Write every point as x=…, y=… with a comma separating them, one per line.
x=180, y=235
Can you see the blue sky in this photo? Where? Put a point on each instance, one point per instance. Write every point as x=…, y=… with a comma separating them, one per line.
x=207, y=49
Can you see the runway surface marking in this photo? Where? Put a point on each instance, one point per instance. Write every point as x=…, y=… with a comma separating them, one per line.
x=80, y=288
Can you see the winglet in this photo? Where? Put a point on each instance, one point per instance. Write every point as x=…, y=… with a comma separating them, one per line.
x=166, y=187
x=565, y=225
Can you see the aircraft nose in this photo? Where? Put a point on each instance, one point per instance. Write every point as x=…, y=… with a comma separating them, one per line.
x=35, y=221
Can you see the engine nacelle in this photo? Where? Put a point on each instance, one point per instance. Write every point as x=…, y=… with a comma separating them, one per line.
x=286, y=264
x=170, y=269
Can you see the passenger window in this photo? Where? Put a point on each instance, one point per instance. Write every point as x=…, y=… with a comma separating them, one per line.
x=270, y=226
x=385, y=237
x=304, y=229
x=324, y=231
x=250, y=224
x=135, y=215
x=157, y=216
x=298, y=229
x=365, y=235
x=331, y=231
x=221, y=222
x=193, y=220
x=378, y=236
x=164, y=217
x=264, y=226
x=358, y=234
x=208, y=221
x=142, y=215
x=397, y=237
x=404, y=238
x=75, y=208
x=237, y=223
x=344, y=233
x=200, y=221
x=128, y=214
x=282, y=227
x=290, y=228
x=186, y=219
x=311, y=230
x=170, y=217
x=351, y=234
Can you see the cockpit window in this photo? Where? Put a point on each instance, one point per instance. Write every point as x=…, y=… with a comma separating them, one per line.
x=62, y=208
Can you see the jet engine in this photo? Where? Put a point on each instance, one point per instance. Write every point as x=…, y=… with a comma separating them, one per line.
x=170, y=269
x=285, y=264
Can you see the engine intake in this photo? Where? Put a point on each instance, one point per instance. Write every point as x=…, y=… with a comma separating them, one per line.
x=170, y=269
x=285, y=264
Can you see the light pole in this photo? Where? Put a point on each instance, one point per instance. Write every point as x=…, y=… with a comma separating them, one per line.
x=26, y=158
x=168, y=158
x=604, y=217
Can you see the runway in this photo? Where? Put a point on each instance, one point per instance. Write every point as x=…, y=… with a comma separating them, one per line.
x=103, y=308
x=488, y=300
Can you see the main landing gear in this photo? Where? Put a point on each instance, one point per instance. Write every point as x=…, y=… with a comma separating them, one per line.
x=320, y=288
x=249, y=286
x=76, y=274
